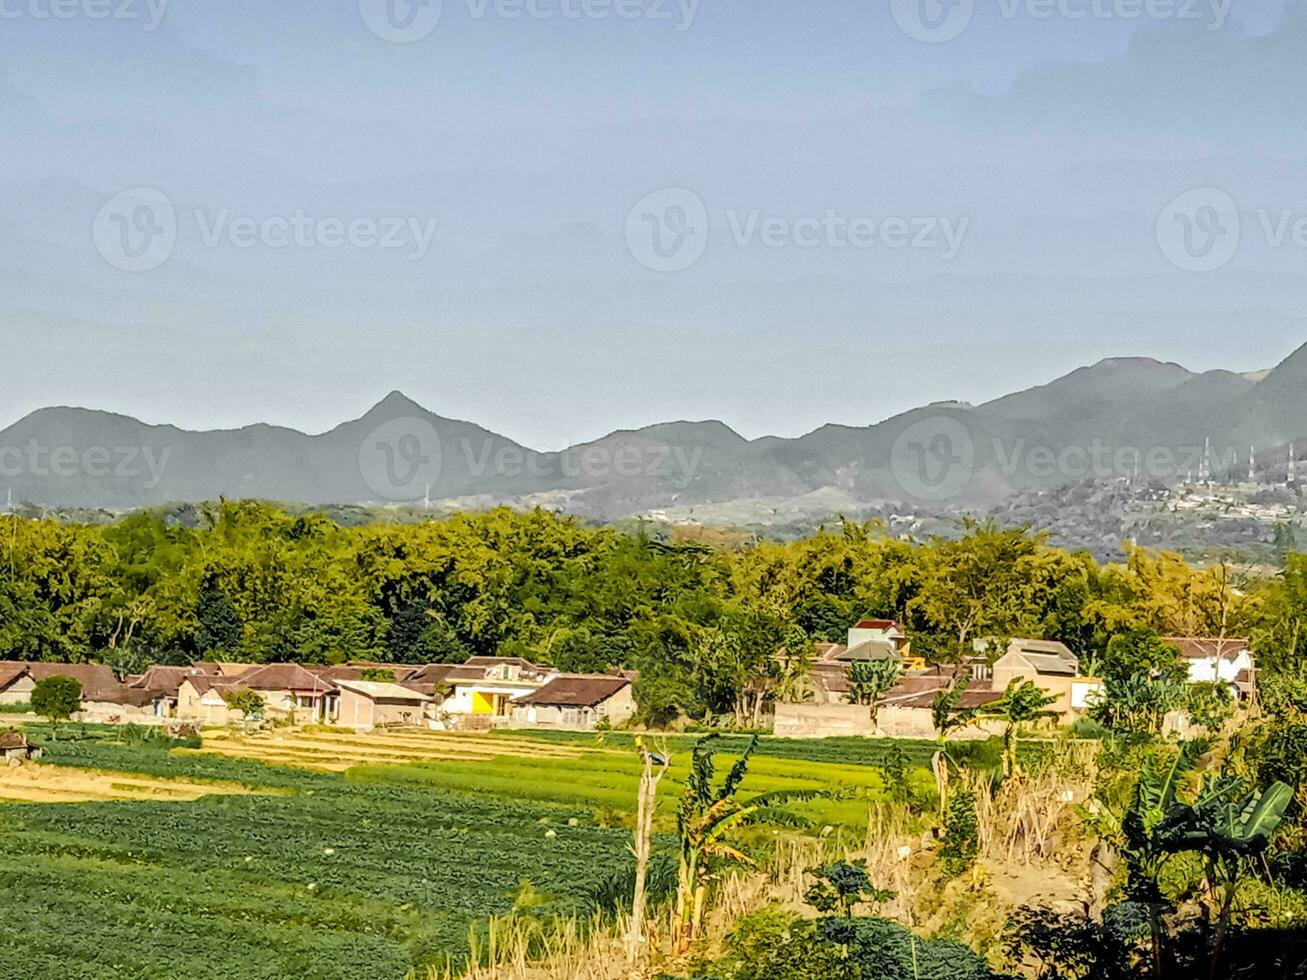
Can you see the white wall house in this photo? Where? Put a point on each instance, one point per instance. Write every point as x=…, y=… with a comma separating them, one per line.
x=1211, y=659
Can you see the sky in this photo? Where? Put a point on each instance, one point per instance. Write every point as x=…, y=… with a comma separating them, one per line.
x=562, y=217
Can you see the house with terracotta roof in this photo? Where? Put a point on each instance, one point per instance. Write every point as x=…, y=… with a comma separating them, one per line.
x=868, y=639
x=577, y=702
x=18, y=678
x=288, y=691
x=1212, y=659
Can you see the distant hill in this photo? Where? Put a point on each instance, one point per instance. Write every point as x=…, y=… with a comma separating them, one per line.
x=1105, y=420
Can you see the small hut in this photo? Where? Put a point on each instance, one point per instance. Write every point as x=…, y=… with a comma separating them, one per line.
x=15, y=748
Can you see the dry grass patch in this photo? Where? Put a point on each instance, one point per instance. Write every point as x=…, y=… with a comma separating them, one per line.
x=31, y=783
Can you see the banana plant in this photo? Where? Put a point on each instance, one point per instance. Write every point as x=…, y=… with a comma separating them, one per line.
x=1134, y=834
x=1022, y=702
x=1229, y=828
x=705, y=819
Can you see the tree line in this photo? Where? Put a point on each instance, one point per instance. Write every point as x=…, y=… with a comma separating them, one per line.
x=700, y=619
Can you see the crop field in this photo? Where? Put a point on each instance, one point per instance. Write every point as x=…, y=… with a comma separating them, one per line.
x=577, y=771
x=258, y=857
x=327, y=750
x=849, y=750
x=606, y=781
x=326, y=879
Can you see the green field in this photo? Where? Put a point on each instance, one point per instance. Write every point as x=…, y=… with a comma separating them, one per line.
x=605, y=781
x=336, y=880
x=359, y=875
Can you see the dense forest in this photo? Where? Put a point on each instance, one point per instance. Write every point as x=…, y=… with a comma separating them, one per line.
x=700, y=618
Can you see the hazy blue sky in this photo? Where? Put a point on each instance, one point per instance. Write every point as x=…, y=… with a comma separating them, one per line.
x=883, y=220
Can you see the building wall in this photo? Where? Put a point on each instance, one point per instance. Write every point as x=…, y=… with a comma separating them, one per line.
x=1010, y=667
x=823, y=720
x=99, y=712
x=1209, y=669
x=830, y=720
x=19, y=692
x=359, y=711
x=475, y=698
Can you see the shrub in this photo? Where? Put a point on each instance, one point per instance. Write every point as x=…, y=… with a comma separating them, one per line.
x=961, y=834
x=775, y=944
x=885, y=950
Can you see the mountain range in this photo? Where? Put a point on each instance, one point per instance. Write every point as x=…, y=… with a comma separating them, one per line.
x=1122, y=417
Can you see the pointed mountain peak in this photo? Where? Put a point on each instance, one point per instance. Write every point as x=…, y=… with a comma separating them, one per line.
x=394, y=405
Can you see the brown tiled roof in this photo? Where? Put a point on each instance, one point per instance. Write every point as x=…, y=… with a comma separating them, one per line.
x=166, y=680
x=430, y=674
x=10, y=671
x=576, y=690
x=284, y=677
x=972, y=697
x=495, y=661
x=870, y=650
x=479, y=668
x=204, y=683
x=875, y=624
x=829, y=652
x=137, y=697
x=1207, y=647
x=13, y=740
x=355, y=671
x=90, y=676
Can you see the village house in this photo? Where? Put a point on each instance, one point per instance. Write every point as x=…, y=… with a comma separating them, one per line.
x=1213, y=659
x=1050, y=666
x=868, y=639
x=577, y=701
x=487, y=686
x=288, y=691
x=17, y=678
x=365, y=705
x=906, y=709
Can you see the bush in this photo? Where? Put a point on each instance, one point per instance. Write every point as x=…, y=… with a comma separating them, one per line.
x=885, y=950
x=775, y=944
x=961, y=834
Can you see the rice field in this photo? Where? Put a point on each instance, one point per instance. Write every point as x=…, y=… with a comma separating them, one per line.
x=331, y=750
